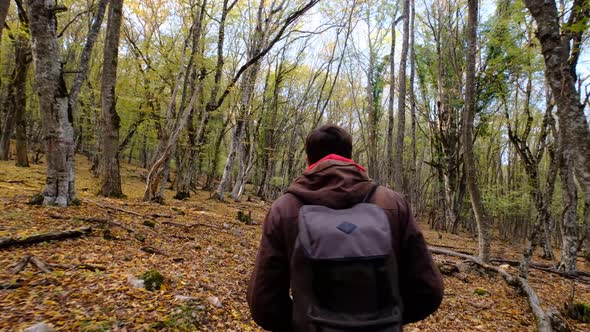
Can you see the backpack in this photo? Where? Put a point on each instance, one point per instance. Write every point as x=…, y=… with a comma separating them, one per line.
x=346, y=274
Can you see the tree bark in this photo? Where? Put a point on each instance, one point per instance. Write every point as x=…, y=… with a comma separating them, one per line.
x=20, y=105
x=84, y=64
x=398, y=163
x=569, y=222
x=6, y=242
x=262, y=43
x=111, y=176
x=9, y=118
x=4, y=5
x=561, y=49
x=414, y=174
x=160, y=167
x=481, y=216
x=53, y=100
x=390, y=110
x=257, y=43
x=531, y=158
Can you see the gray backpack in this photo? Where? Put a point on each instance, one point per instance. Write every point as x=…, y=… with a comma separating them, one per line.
x=345, y=269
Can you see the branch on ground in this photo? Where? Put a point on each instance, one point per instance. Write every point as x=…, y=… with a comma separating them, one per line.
x=6, y=242
x=546, y=321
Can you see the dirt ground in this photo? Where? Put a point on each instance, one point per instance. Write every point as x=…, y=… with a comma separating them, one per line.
x=205, y=256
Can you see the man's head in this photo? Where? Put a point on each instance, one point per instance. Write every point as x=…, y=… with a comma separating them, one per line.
x=325, y=140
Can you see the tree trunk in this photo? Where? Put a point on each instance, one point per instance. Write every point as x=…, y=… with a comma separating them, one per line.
x=390, y=110
x=372, y=110
x=257, y=42
x=9, y=118
x=561, y=60
x=20, y=105
x=401, y=104
x=4, y=5
x=185, y=177
x=414, y=175
x=159, y=170
x=481, y=216
x=216, y=156
x=569, y=222
x=84, y=64
x=111, y=176
x=53, y=100
x=144, y=152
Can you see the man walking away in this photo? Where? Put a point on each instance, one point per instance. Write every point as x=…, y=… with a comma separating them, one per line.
x=349, y=251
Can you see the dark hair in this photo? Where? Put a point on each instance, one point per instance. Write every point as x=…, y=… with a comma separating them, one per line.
x=326, y=140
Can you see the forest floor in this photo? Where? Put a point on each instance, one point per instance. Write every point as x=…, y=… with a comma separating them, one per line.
x=205, y=256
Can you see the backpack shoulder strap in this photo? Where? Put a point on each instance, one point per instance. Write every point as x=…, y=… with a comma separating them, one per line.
x=370, y=193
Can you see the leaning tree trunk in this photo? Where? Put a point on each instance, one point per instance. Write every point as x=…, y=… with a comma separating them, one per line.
x=398, y=162
x=481, y=217
x=20, y=106
x=53, y=101
x=111, y=176
x=84, y=64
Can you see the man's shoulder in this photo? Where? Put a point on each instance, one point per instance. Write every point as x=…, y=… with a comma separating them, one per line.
x=286, y=206
x=389, y=199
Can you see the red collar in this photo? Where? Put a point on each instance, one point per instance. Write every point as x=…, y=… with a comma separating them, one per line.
x=338, y=158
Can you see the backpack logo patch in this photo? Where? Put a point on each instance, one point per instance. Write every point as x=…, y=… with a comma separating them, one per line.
x=346, y=227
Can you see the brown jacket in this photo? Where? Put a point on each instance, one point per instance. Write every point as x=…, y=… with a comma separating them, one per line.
x=337, y=184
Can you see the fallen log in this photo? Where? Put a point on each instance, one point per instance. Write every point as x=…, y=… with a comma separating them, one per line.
x=579, y=276
x=6, y=242
x=19, y=284
x=544, y=319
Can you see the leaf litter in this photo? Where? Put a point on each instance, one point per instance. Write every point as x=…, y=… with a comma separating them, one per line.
x=205, y=256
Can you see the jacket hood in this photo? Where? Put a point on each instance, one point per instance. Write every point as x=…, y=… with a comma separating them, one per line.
x=334, y=183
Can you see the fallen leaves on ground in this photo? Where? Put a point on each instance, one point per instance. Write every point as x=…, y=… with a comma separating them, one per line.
x=206, y=265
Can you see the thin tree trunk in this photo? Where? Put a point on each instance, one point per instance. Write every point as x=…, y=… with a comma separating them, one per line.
x=390, y=124
x=261, y=44
x=53, y=100
x=22, y=68
x=159, y=170
x=247, y=90
x=84, y=64
x=15, y=104
x=216, y=155
x=569, y=222
x=111, y=176
x=9, y=118
x=131, y=149
x=398, y=163
x=481, y=216
x=144, y=153
x=414, y=175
